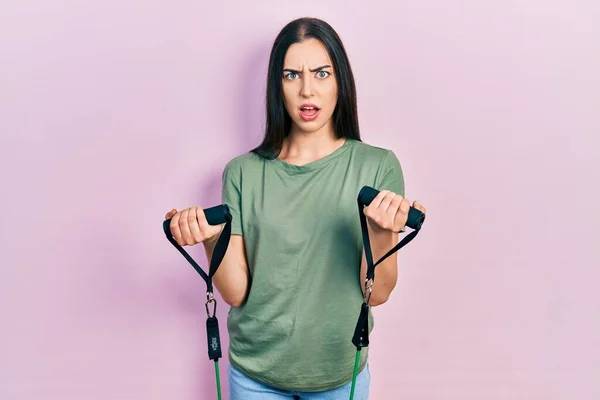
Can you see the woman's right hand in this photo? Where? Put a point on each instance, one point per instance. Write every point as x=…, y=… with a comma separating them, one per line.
x=190, y=227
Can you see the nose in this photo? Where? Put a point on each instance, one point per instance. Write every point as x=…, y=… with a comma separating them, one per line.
x=307, y=87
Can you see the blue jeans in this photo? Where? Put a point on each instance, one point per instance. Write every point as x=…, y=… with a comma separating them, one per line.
x=241, y=387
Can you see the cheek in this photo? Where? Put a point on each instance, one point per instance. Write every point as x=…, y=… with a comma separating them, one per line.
x=286, y=97
x=332, y=96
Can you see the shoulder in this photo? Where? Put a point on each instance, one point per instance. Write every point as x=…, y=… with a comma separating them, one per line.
x=242, y=162
x=375, y=155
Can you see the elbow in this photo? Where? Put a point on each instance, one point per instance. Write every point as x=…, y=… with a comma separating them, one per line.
x=236, y=303
x=375, y=301
x=382, y=292
x=379, y=297
x=235, y=300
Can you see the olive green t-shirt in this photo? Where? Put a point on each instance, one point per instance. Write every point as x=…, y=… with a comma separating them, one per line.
x=303, y=239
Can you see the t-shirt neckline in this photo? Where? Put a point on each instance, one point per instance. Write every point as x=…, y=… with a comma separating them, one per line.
x=313, y=165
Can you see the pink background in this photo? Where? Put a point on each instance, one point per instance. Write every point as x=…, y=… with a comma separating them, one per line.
x=112, y=112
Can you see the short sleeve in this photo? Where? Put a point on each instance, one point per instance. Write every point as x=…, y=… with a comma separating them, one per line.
x=392, y=177
x=231, y=195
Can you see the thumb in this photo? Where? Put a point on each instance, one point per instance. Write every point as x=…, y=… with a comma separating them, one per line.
x=170, y=213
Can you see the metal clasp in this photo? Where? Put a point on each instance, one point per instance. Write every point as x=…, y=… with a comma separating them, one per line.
x=210, y=298
x=368, y=290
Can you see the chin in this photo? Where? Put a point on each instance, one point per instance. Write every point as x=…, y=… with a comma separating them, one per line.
x=311, y=126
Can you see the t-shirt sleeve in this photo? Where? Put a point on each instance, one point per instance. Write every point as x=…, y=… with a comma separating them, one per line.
x=392, y=177
x=231, y=195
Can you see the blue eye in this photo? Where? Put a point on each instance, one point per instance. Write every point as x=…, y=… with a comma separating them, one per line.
x=291, y=75
x=322, y=74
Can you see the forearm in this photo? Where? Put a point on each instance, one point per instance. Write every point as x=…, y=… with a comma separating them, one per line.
x=232, y=277
x=386, y=273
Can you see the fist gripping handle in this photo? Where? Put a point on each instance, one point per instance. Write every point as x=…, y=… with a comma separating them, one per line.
x=415, y=217
x=215, y=216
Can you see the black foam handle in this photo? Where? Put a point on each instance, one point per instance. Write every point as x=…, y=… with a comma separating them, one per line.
x=214, y=215
x=415, y=217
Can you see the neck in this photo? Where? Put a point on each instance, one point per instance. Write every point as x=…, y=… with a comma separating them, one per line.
x=303, y=147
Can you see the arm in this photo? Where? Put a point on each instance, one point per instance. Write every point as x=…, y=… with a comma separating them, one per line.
x=384, y=223
x=386, y=216
x=232, y=279
x=386, y=273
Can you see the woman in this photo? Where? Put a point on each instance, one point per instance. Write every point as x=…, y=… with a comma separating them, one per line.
x=293, y=270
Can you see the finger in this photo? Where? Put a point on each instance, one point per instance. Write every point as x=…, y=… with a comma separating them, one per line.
x=170, y=214
x=405, y=206
x=175, y=231
x=395, y=205
x=378, y=199
x=193, y=224
x=387, y=200
x=185, y=228
x=401, y=215
x=419, y=207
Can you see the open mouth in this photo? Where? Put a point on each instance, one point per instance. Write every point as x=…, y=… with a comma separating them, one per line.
x=309, y=109
x=309, y=112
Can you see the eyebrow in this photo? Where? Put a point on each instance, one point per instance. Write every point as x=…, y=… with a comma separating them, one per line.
x=312, y=70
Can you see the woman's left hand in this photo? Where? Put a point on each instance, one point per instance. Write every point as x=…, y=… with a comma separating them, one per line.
x=389, y=212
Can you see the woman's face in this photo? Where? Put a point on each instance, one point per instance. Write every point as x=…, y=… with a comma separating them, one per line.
x=309, y=86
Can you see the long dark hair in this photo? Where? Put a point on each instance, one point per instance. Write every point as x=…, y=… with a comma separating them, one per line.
x=278, y=121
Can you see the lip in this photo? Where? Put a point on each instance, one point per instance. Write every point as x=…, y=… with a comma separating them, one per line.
x=308, y=116
x=309, y=105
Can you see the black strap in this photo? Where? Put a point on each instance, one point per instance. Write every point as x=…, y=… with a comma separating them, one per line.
x=213, y=337
x=367, y=243
x=215, y=215
x=361, y=332
x=218, y=252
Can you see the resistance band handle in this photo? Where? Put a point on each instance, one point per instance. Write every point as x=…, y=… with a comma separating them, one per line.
x=415, y=217
x=214, y=215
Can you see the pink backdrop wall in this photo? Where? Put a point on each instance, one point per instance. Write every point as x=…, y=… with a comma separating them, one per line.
x=112, y=112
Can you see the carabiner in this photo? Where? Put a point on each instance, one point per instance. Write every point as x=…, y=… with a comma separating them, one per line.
x=368, y=290
x=211, y=299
